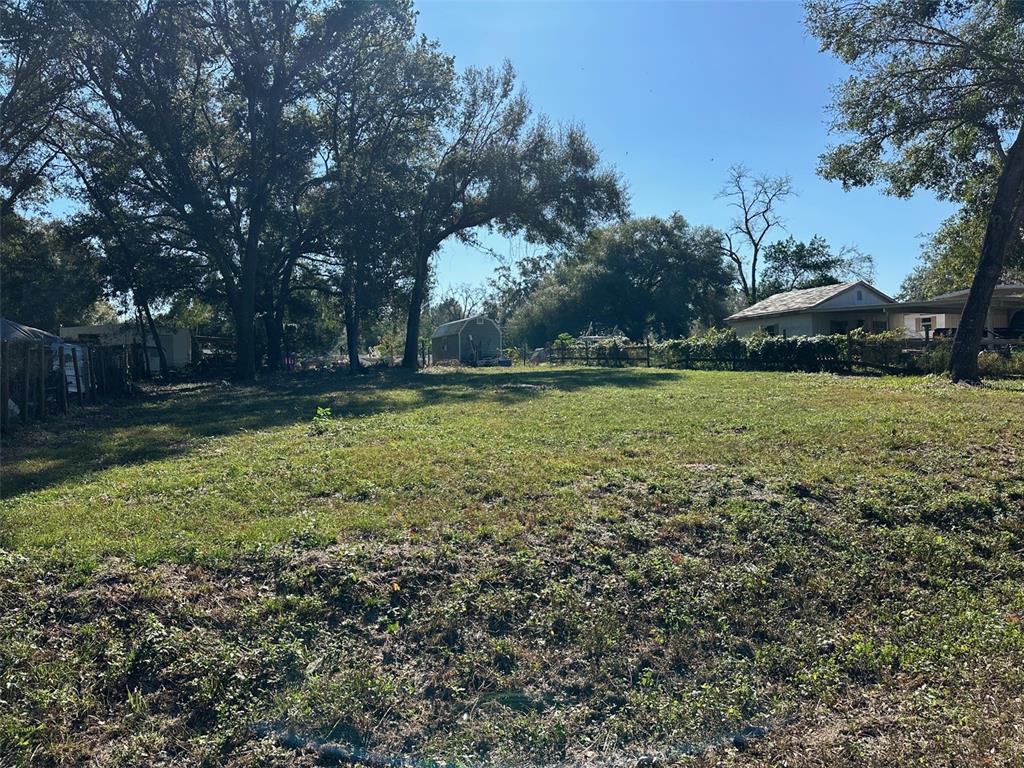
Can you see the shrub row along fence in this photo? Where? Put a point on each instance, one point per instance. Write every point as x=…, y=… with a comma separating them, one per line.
x=855, y=352
x=39, y=380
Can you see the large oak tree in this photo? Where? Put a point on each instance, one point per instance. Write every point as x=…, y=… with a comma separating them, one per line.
x=379, y=107
x=493, y=166
x=211, y=98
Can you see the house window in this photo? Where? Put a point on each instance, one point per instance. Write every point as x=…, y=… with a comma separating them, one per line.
x=771, y=330
x=839, y=326
x=480, y=320
x=879, y=326
x=860, y=295
x=925, y=323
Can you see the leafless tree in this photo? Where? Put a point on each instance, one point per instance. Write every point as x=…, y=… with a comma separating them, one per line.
x=756, y=199
x=470, y=297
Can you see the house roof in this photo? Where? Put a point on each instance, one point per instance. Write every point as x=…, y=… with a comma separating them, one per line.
x=1011, y=290
x=799, y=301
x=455, y=326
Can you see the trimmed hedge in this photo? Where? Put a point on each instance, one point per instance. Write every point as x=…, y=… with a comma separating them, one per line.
x=837, y=353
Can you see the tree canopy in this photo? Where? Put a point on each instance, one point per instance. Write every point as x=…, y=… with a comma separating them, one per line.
x=790, y=265
x=51, y=274
x=642, y=276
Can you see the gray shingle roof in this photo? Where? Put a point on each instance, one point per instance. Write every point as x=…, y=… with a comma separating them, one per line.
x=1005, y=289
x=793, y=301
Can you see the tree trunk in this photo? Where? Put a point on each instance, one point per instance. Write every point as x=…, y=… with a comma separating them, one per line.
x=410, y=359
x=753, y=278
x=156, y=338
x=142, y=336
x=278, y=307
x=245, y=350
x=355, y=365
x=1002, y=221
x=244, y=311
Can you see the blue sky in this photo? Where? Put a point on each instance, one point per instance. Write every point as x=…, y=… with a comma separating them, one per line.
x=672, y=93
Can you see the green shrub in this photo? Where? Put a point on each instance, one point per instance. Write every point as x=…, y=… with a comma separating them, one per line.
x=716, y=348
x=721, y=349
x=935, y=359
x=995, y=365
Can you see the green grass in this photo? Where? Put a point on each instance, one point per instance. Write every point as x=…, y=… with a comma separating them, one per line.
x=521, y=566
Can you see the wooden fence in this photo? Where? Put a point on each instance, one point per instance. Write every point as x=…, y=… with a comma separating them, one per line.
x=619, y=355
x=858, y=355
x=38, y=380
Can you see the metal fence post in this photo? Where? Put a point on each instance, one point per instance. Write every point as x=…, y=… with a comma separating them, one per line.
x=5, y=374
x=101, y=379
x=42, y=381
x=90, y=367
x=24, y=383
x=78, y=376
x=62, y=392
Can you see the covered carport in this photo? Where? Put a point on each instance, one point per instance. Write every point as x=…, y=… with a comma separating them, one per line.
x=939, y=317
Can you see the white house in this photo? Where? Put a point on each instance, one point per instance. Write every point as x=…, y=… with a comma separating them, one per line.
x=828, y=309
x=842, y=307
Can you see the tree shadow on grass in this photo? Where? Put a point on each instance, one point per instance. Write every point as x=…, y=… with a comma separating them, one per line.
x=169, y=420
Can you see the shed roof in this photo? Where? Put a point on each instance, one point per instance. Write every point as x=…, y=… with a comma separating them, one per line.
x=455, y=326
x=799, y=301
x=25, y=334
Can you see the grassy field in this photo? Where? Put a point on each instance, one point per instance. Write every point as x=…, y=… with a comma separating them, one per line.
x=518, y=567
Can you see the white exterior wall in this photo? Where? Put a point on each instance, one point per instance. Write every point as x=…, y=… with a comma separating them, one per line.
x=790, y=325
x=909, y=322
x=823, y=321
x=809, y=323
x=177, y=344
x=997, y=318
